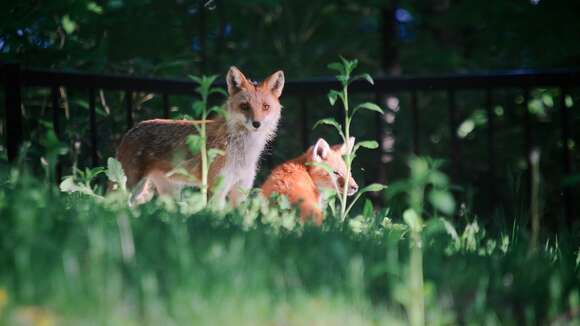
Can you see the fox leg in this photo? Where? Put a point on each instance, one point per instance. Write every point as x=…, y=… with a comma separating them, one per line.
x=165, y=185
x=241, y=189
x=221, y=190
x=311, y=211
x=142, y=193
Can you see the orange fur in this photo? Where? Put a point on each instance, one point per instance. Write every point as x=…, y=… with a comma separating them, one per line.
x=301, y=181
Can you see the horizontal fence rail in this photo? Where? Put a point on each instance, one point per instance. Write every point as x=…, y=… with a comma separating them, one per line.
x=14, y=79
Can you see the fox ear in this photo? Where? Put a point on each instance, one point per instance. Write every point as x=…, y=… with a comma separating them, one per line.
x=347, y=147
x=320, y=150
x=275, y=83
x=235, y=80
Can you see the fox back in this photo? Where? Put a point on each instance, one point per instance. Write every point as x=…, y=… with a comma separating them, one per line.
x=301, y=179
x=153, y=150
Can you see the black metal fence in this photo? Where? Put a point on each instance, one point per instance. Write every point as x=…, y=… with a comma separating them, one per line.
x=15, y=79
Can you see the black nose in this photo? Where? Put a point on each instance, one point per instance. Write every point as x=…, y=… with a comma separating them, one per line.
x=256, y=124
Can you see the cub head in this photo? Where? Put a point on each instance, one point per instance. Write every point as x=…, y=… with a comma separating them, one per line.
x=254, y=107
x=321, y=152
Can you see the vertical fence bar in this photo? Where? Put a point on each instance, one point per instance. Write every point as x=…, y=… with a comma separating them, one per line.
x=305, y=132
x=165, y=98
x=381, y=167
x=455, y=149
x=490, y=146
x=56, y=126
x=129, y=108
x=415, y=122
x=527, y=144
x=55, y=111
x=202, y=37
x=269, y=153
x=566, y=161
x=93, y=127
x=13, y=113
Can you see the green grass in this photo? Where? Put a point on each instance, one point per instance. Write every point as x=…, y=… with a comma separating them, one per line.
x=73, y=259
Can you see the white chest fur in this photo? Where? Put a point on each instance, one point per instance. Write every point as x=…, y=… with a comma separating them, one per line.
x=241, y=161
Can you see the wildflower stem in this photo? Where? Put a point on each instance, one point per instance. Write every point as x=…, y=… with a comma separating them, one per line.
x=344, y=195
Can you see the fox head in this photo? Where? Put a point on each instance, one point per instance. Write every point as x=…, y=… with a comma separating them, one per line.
x=321, y=152
x=254, y=107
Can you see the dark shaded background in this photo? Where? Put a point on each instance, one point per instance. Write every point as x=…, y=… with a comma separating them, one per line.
x=177, y=38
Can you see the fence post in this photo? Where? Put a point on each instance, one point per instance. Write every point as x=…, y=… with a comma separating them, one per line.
x=457, y=171
x=415, y=121
x=527, y=144
x=56, y=126
x=93, y=127
x=569, y=209
x=129, y=108
x=491, y=147
x=304, y=123
x=13, y=103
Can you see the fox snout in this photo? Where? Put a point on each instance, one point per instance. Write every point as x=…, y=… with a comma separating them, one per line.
x=352, y=186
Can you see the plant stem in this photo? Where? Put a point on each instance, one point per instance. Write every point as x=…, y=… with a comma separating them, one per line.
x=417, y=304
x=344, y=194
x=204, y=168
x=534, y=199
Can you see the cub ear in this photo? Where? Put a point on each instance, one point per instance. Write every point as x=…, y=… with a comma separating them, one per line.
x=275, y=83
x=320, y=150
x=347, y=147
x=236, y=81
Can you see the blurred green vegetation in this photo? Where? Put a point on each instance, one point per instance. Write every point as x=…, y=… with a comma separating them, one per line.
x=76, y=259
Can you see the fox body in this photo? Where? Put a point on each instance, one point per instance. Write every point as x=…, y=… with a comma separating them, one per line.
x=154, y=152
x=301, y=181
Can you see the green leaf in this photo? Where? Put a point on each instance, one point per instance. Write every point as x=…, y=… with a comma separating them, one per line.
x=343, y=80
x=322, y=165
x=368, y=208
x=68, y=24
x=349, y=65
x=90, y=174
x=370, y=144
x=366, y=77
x=438, y=179
x=212, y=153
x=442, y=201
x=333, y=95
x=330, y=122
x=413, y=220
x=336, y=66
x=368, y=106
x=220, y=91
x=198, y=107
x=195, y=79
x=115, y=173
x=69, y=185
x=93, y=7
x=373, y=187
x=194, y=143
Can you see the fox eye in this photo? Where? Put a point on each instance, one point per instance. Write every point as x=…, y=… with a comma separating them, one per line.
x=266, y=107
x=245, y=107
x=336, y=173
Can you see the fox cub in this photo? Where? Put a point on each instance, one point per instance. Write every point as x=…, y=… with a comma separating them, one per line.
x=152, y=151
x=301, y=182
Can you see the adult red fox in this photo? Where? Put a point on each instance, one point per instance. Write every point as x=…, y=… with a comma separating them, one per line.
x=301, y=182
x=152, y=151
